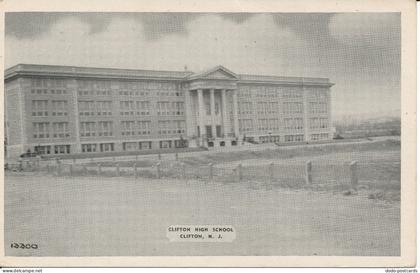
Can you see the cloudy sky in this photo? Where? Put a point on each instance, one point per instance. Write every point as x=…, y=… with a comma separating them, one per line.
x=359, y=52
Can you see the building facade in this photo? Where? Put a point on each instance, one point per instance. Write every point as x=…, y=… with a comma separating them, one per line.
x=64, y=110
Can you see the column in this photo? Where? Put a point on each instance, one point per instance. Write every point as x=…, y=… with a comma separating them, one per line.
x=226, y=127
x=77, y=148
x=201, y=112
x=212, y=113
x=189, y=116
x=235, y=113
x=305, y=96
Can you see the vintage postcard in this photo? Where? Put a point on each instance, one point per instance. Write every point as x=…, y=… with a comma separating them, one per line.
x=246, y=133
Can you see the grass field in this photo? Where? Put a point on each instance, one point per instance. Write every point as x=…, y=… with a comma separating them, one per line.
x=100, y=216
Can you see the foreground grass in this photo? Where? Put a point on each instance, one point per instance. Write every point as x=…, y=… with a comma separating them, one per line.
x=122, y=216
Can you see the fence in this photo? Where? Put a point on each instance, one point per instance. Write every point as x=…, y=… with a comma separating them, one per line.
x=285, y=174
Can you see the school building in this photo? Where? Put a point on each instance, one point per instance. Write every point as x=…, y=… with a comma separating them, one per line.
x=65, y=109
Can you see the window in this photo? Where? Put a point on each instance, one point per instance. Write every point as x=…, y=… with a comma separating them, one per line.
x=86, y=108
x=292, y=107
x=164, y=108
x=293, y=138
x=165, y=127
x=87, y=129
x=143, y=108
x=105, y=128
x=144, y=127
x=106, y=147
x=58, y=86
x=104, y=108
x=41, y=129
x=145, y=145
x=165, y=144
x=179, y=126
x=40, y=108
x=62, y=149
x=245, y=125
x=59, y=107
x=88, y=148
x=127, y=108
x=130, y=146
x=60, y=129
x=127, y=128
x=43, y=150
x=39, y=86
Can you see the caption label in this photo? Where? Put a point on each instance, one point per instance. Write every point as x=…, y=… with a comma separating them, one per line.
x=201, y=233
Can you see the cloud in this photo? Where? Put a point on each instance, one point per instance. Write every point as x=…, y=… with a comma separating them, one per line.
x=366, y=70
x=366, y=29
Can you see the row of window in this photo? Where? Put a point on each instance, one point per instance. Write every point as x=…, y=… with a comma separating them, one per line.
x=245, y=108
x=268, y=124
x=42, y=130
x=293, y=138
x=292, y=107
x=170, y=127
x=323, y=136
x=318, y=107
x=293, y=123
x=245, y=125
x=131, y=128
x=270, y=92
x=267, y=107
x=56, y=149
x=166, y=108
x=40, y=108
x=318, y=123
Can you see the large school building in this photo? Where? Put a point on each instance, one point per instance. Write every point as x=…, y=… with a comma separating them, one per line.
x=66, y=110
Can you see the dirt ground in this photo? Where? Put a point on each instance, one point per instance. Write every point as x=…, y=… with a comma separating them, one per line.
x=123, y=216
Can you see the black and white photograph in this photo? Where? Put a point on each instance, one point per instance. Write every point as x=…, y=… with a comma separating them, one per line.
x=202, y=134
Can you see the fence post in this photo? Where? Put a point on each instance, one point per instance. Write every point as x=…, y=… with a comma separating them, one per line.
x=239, y=170
x=38, y=164
x=99, y=168
x=71, y=169
x=137, y=157
x=159, y=156
x=353, y=174
x=271, y=173
x=48, y=168
x=135, y=170
x=85, y=170
x=308, y=172
x=58, y=168
x=176, y=156
x=184, y=171
x=117, y=169
x=158, y=170
x=210, y=171
x=74, y=160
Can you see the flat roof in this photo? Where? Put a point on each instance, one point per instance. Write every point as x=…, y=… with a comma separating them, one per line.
x=139, y=74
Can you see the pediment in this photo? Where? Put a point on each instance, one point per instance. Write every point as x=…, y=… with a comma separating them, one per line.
x=217, y=73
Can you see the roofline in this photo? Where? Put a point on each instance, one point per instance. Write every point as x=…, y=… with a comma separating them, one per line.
x=21, y=70
x=81, y=72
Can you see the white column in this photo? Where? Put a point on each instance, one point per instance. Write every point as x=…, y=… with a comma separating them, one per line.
x=189, y=116
x=306, y=135
x=212, y=113
x=201, y=112
x=226, y=128
x=235, y=113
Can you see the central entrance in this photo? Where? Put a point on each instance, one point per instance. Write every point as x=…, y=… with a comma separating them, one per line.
x=209, y=132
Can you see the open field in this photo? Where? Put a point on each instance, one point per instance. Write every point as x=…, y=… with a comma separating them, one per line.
x=100, y=216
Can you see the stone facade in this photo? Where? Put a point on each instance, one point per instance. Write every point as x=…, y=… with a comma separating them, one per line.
x=60, y=109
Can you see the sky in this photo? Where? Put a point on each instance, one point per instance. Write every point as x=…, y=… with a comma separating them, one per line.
x=359, y=52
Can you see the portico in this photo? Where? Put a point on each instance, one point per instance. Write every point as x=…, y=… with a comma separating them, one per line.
x=210, y=96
